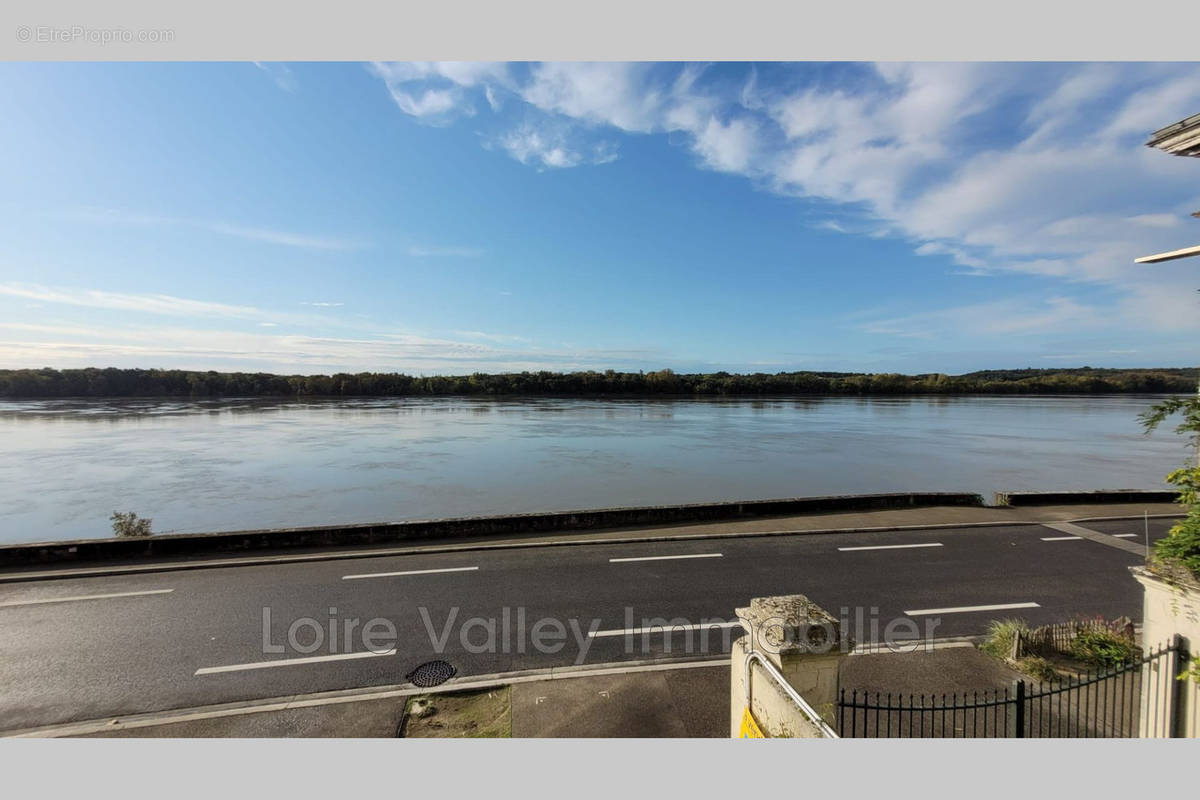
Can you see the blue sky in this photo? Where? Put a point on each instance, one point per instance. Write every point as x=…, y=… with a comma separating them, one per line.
x=451, y=218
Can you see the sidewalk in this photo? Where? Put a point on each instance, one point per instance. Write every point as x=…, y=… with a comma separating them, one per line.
x=691, y=702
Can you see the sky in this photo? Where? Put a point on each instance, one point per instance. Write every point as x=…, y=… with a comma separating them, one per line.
x=449, y=218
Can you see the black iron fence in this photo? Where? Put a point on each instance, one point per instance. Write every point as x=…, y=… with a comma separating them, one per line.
x=1106, y=703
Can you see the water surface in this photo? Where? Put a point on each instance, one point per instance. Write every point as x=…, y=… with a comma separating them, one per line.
x=65, y=466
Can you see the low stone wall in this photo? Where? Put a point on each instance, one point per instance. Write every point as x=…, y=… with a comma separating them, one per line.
x=1073, y=498
x=171, y=545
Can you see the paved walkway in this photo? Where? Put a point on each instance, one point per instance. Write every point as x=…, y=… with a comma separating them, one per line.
x=689, y=702
x=682, y=703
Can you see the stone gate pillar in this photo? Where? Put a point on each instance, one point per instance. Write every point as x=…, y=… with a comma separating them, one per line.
x=806, y=644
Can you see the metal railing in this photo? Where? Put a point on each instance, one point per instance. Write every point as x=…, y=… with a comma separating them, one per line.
x=1107, y=703
x=810, y=714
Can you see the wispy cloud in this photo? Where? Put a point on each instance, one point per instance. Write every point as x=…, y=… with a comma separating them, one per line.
x=280, y=73
x=250, y=232
x=434, y=251
x=492, y=337
x=146, y=303
x=23, y=345
x=287, y=238
x=1000, y=318
x=321, y=304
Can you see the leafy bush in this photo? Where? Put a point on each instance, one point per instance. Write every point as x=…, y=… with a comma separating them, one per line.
x=1103, y=648
x=1181, y=548
x=129, y=524
x=1182, y=545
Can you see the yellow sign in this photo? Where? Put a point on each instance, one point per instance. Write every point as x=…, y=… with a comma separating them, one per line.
x=750, y=729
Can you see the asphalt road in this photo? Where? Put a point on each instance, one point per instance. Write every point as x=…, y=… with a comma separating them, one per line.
x=187, y=638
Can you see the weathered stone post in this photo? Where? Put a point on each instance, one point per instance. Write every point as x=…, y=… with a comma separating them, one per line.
x=806, y=644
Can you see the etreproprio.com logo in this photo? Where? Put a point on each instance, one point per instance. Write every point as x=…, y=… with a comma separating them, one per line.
x=82, y=34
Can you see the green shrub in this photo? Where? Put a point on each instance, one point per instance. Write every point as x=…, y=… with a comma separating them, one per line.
x=129, y=524
x=1103, y=648
x=1181, y=546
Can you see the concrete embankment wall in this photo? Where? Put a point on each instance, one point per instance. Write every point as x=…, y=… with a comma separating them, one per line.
x=1072, y=498
x=178, y=545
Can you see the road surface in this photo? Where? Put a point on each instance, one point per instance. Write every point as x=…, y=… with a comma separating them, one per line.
x=89, y=648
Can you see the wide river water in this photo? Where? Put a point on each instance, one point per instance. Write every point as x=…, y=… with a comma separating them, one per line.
x=65, y=466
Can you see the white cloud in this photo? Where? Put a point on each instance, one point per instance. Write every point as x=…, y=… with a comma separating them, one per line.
x=1018, y=169
x=434, y=91
x=550, y=146
x=728, y=147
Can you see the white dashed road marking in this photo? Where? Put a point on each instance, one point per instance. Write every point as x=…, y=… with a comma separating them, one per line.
x=964, y=609
x=14, y=603
x=408, y=572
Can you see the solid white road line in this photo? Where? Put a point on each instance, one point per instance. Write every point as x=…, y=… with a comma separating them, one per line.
x=964, y=609
x=890, y=546
x=662, y=629
x=290, y=662
x=1127, y=535
x=665, y=558
x=408, y=572
x=13, y=603
x=1062, y=538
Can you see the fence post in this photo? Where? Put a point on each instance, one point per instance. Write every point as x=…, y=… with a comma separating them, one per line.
x=1179, y=665
x=1016, y=711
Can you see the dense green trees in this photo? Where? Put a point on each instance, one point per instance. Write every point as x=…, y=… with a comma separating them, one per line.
x=182, y=383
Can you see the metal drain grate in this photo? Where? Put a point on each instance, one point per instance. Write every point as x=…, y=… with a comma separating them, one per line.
x=431, y=673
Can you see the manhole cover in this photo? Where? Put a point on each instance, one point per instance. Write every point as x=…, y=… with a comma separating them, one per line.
x=431, y=673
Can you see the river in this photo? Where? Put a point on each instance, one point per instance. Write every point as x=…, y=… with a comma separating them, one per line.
x=65, y=466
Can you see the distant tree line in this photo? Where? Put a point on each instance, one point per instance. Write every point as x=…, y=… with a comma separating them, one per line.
x=111, y=382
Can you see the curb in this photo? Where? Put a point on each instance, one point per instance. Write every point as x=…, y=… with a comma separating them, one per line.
x=136, y=569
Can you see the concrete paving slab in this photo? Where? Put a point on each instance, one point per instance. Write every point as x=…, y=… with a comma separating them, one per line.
x=953, y=669
x=675, y=703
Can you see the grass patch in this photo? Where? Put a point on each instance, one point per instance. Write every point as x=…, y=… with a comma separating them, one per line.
x=479, y=714
x=1001, y=635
